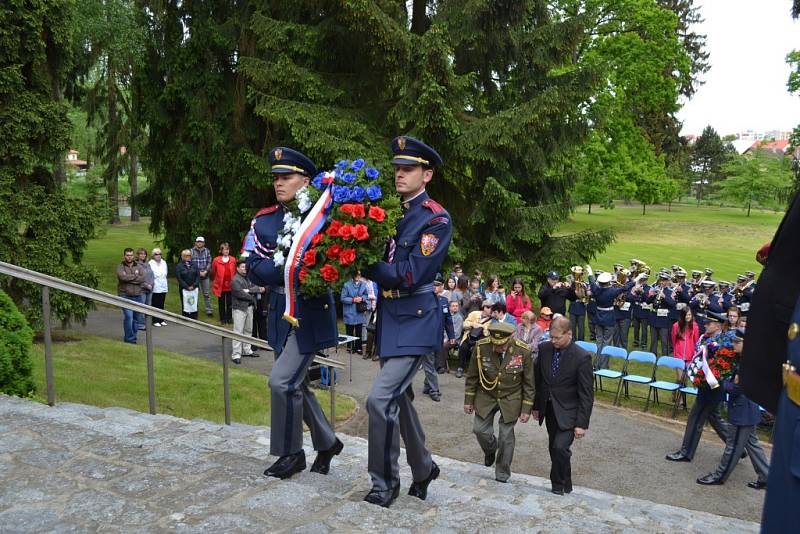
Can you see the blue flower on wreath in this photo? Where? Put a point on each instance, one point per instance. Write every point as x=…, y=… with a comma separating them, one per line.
x=341, y=194
x=374, y=192
x=357, y=194
x=357, y=164
x=373, y=173
x=349, y=177
x=317, y=181
x=342, y=163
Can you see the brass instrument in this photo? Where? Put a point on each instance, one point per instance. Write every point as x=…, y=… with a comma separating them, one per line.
x=579, y=285
x=622, y=279
x=702, y=300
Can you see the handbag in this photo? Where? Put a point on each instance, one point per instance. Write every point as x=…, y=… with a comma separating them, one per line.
x=190, y=300
x=361, y=307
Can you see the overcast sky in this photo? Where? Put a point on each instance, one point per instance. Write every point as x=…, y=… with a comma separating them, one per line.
x=746, y=86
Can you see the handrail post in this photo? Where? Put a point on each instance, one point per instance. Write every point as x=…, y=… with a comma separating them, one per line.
x=48, y=347
x=226, y=388
x=332, y=380
x=151, y=378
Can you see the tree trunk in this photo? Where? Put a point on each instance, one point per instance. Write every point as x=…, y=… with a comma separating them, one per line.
x=132, y=180
x=112, y=146
x=419, y=17
x=669, y=206
x=644, y=208
x=748, y=208
x=590, y=208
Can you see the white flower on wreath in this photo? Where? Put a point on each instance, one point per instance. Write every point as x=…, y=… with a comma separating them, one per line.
x=278, y=258
x=303, y=199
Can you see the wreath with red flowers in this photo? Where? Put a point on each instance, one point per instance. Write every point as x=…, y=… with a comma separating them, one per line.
x=354, y=238
x=722, y=361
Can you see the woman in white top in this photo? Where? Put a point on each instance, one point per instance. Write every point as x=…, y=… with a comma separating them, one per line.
x=160, y=288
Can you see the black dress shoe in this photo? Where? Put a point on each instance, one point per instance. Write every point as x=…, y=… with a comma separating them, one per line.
x=677, y=457
x=567, y=489
x=501, y=481
x=557, y=491
x=383, y=498
x=709, y=480
x=322, y=464
x=489, y=458
x=286, y=466
x=420, y=489
x=436, y=396
x=758, y=484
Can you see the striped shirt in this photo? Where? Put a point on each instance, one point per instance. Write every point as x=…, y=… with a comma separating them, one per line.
x=201, y=258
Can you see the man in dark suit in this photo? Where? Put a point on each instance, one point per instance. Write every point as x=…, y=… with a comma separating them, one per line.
x=563, y=398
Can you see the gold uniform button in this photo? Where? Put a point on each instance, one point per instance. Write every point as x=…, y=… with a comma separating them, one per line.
x=419, y=312
x=325, y=307
x=794, y=329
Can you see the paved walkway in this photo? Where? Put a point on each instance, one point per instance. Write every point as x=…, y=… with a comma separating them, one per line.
x=623, y=452
x=80, y=468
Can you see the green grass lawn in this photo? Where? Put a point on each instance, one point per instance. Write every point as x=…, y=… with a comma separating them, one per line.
x=692, y=237
x=103, y=372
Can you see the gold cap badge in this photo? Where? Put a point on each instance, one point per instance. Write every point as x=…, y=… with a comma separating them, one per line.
x=401, y=142
x=278, y=154
x=794, y=329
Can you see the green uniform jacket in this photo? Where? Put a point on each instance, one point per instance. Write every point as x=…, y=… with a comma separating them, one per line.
x=507, y=383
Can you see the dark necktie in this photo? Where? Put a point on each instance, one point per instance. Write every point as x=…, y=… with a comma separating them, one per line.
x=556, y=361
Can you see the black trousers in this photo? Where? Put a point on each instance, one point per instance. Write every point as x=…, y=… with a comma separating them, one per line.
x=640, y=336
x=354, y=330
x=559, y=442
x=464, y=353
x=260, y=319
x=577, y=322
x=656, y=335
x=225, y=311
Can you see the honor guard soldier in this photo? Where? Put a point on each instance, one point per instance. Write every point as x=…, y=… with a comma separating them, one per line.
x=707, y=405
x=660, y=298
x=499, y=379
x=292, y=400
x=697, y=277
x=641, y=310
x=605, y=295
x=715, y=302
x=409, y=324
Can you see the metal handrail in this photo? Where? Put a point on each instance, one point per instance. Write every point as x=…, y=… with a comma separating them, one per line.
x=47, y=282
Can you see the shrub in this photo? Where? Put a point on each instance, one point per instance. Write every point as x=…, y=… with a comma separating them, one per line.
x=16, y=338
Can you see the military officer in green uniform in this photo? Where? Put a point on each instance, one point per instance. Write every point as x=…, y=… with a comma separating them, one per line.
x=499, y=378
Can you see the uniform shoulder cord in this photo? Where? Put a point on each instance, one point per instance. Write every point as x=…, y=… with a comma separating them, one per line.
x=485, y=384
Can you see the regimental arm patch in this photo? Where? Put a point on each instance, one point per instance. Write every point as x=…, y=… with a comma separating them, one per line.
x=439, y=220
x=428, y=244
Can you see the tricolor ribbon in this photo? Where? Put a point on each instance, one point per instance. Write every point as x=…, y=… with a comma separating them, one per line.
x=310, y=227
x=700, y=363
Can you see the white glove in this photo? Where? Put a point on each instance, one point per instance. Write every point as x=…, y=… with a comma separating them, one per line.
x=589, y=271
x=641, y=276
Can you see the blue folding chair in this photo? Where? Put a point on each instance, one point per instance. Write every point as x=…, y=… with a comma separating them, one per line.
x=588, y=346
x=670, y=362
x=682, y=392
x=612, y=353
x=627, y=377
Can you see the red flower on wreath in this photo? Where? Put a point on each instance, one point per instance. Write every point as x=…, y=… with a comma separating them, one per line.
x=360, y=232
x=358, y=211
x=346, y=231
x=310, y=257
x=377, y=214
x=317, y=239
x=347, y=256
x=303, y=274
x=329, y=273
x=347, y=209
x=334, y=228
x=333, y=252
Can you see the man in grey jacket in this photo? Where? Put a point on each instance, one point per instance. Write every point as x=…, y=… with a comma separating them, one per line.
x=243, y=299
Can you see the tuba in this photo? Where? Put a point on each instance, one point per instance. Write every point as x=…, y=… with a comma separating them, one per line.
x=578, y=283
x=622, y=279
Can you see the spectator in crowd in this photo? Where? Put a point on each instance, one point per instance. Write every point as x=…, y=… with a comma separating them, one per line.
x=473, y=297
x=243, y=299
x=458, y=319
x=188, y=279
x=462, y=288
x=449, y=344
x=563, y=398
x=429, y=361
x=743, y=416
x=492, y=292
x=223, y=269
x=354, y=298
x=685, y=334
x=477, y=273
x=518, y=302
x=529, y=332
x=457, y=272
x=147, y=286
x=501, y=315
x=476, y=326
x=449, y=288
x=130, y=277
x=545, y=318
x=734, y=315
x=553, y=294
x=201, y=258
x=742, y=322
x=158, y=266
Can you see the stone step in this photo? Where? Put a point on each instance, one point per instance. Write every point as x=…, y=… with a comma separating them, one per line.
x=77, y=468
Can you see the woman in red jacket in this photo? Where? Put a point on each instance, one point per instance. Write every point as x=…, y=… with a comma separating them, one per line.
x=223, y=269
x=685, y=334
x=517, y=302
